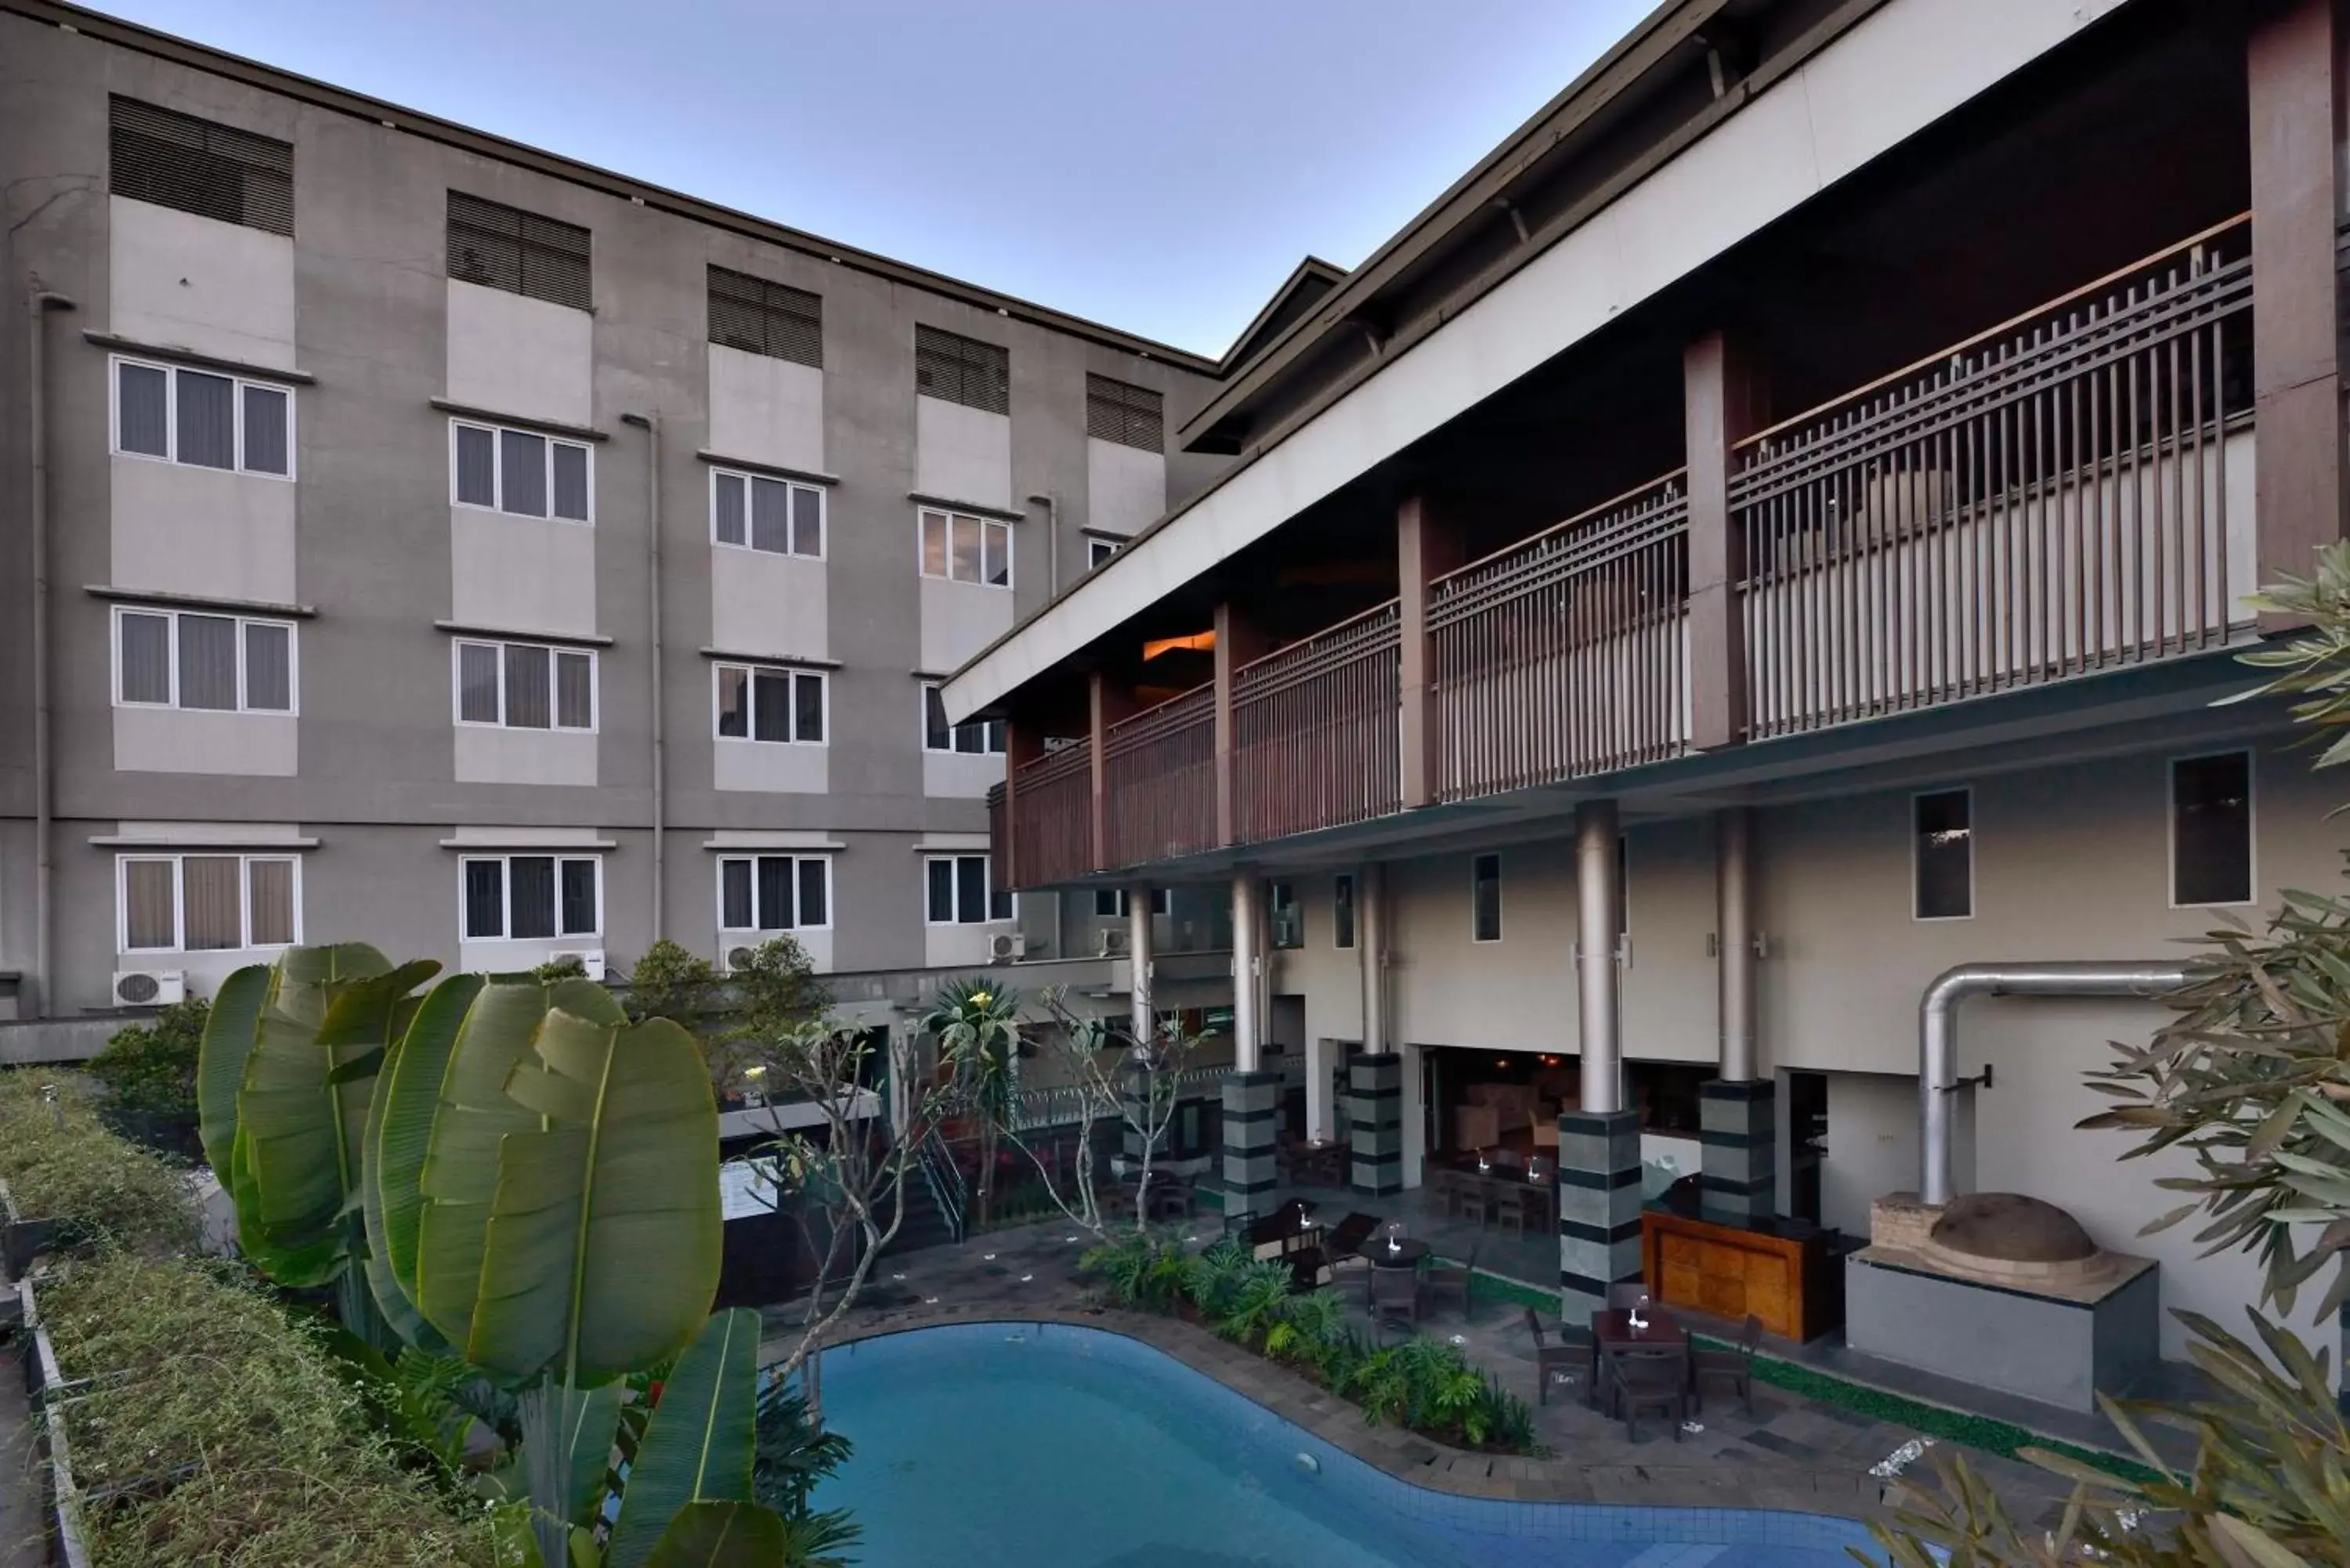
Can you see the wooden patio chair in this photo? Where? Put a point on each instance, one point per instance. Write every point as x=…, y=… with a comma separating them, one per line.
x=1734, y=1367
x=1444, y=1281
x=1395, y=1292
x=1576, y=1353
x=1650, y=1377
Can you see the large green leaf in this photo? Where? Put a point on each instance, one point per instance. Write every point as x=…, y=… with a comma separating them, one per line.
x=723, y=1535
x=602, y=1250
x=399, y=1130
x=698, y=1448
x=459, y=1178
x=229, y=1029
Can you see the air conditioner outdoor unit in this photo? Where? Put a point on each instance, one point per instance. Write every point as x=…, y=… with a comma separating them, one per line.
x=149, y=987
x=590, y=959
x=739, y=959
x=1005, y=949
x=1115, y=941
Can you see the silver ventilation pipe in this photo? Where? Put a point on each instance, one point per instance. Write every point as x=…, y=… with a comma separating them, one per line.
x=651, y=425
x=39, y=303
x=1938, y=1041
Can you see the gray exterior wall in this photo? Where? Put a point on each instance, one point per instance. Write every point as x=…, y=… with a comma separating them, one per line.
x=373, y=771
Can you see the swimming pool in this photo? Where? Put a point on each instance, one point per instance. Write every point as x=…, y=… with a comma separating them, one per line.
x=1009, y=1445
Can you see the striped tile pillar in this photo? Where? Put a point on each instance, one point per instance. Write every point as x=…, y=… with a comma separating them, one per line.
x=1252, y=1118
x=1598, y=1207
x=1737, y=1126
x=1374, y=1099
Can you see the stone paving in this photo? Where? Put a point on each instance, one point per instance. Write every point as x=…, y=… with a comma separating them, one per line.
x=1792, y=1453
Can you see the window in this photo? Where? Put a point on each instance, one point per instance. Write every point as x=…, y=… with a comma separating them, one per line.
x=1098, y=552
x=522, y=898
x=960, y=890
x=775, y=892
x=2212, y=830
x=755, y=704
x=1286, y=919
x=966, y=549
x=980, y=736
x=175, y=159
x=201, y=418
x=1341, y=910
x=525, y=686
x=1130, y=416
x=761, y=513
x=1943, y=851
x=1485, y=898
x=962, y=370
x=186, y=658
x=762, y=318
x=1114, y=903
x=521, y=472
x=504, y=247
x=208, y=903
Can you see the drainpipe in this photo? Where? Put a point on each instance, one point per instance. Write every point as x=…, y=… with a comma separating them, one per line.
x=1052, y=545
x=651, y=425
x=1938, y=1043
x=39, y=303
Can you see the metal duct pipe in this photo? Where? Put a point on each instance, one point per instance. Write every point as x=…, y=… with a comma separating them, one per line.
x=1734, y=920
x=39, y=303
x=1143, y=1019
x=1248, y=964
x=651, y=425
x=1596, y=894
x=1938, y=1041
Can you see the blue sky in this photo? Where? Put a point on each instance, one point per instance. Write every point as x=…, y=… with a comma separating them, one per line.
x=1158, y=166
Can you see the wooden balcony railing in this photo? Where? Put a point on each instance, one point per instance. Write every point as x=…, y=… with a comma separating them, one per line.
x=1314, y=730
x=1053, y=807
x=2068, y=492
x=1565, y=655
x=1159, y=778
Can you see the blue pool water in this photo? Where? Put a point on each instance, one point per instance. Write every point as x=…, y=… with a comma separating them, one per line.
x=1042, y=1446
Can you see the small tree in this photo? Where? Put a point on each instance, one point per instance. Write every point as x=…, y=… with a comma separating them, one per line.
x=977, y=1024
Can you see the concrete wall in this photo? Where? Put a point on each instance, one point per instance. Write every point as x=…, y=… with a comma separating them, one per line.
x=359, y=300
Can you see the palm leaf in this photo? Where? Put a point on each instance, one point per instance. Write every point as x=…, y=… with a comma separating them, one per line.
x=699, y=1446
x=219, y=1062
x=723, y=1535
x=603, y=1245
x=399, y=1130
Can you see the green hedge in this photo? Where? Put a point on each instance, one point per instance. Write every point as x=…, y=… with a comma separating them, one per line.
x=61, y=1164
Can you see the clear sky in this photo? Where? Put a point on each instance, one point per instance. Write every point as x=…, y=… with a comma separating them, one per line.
x=1155, y=166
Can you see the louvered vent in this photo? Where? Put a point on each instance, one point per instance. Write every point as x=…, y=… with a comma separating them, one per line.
x=504, y=247
x=175, y=159
x=1130, y=416
x=762, y=318
x=962, y=370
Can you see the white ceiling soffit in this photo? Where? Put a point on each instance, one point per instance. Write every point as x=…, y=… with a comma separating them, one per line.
x=1905, y=65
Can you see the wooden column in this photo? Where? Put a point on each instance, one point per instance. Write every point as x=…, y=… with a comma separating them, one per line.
x=1238, y=642
x=2292, y=72
x=1426, y=549
x=1023, y=745
x=1723, y=403
x=1108, y=701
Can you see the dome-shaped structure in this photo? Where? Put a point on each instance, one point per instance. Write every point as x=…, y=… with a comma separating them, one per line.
x=2005, y=1235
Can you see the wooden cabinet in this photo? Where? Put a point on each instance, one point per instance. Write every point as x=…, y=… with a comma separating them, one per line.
x=1728, y=1271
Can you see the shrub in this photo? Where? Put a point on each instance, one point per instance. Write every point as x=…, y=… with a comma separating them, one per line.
x=61, y=1164
x=150, y=1069
x=671, y=982
x=210, y=1428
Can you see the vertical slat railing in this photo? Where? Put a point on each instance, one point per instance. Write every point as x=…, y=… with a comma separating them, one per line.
x=1314, y=730
x=2064, y=494
x=1566, y=654
x=1159, y=778
x=1051, y=800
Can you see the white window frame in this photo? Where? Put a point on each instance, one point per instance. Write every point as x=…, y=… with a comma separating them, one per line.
x=1916, y=795
x=921, y=525
x=751, y=858
x=823, y=678
x=172, y=373
x=2251, y=826
x=554, y=687
x=1098, y=552
x=994, y=738
x=505, y=895
x=792, y=488
x=1500, y=925
x=175, y=857
x=498, y=470
x=293, y=708
x=987, y=918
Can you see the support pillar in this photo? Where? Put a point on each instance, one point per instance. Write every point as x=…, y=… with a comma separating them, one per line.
x=1737, y=1112
x=2294, y=90
x=1023, y=745
x=1107, y=702
x=1722, y=404
x=1142, y=1022
x=1425, y=550
x=1599, y=1143
x=1375, y=1087
x=1238, y=642
x=1252, y=1121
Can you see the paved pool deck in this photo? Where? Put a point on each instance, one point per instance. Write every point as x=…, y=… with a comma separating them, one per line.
x=1791, y=1453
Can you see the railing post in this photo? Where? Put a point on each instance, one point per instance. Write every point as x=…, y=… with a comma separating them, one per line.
x=1238, y=642
x=1107, y=702
x=1425, y=550
x=1721, y=401
x=2295, y=95
x=1021, y=746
